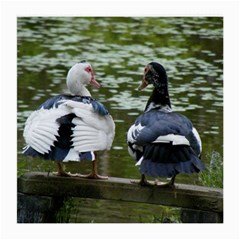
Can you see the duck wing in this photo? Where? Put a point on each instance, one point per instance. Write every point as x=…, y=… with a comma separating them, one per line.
x=41, y=128
x=65, y=127
x=93, y=129
x=158, y=126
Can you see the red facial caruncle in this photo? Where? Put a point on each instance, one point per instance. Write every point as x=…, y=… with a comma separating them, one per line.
x=93, y=81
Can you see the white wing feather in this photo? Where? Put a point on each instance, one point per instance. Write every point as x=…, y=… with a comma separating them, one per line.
x=196, y=134
x=41, y=128
x=92, y=132
x=133, y=132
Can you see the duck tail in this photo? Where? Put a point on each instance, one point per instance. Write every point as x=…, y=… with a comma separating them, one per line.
x=167, y=160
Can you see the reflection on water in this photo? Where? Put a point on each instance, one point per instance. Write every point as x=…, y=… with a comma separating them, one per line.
x=191, y=49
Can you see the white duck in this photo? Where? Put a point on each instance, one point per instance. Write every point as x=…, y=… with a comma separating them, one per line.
x=71, y=127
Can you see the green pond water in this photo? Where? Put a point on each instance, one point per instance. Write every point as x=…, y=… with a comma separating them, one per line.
x=190, y=48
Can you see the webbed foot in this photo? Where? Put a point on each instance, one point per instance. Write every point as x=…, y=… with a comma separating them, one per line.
x=93, y=176
x=65, y=174
x=143, y=182
x=169, y=184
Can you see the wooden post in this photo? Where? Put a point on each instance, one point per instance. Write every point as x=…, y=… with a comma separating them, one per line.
x=196, y=201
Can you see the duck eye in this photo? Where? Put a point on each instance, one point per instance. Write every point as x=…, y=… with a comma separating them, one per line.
x=88, y=69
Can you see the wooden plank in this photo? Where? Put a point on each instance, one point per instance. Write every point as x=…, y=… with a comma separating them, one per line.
x=121, y=189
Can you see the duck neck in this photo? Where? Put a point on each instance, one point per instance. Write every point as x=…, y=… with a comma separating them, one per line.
x=79, y=90
x=84, y=92
x=159, y=98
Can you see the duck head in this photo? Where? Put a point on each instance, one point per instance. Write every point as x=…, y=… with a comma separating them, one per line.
x=154, y=73
x=79, y=76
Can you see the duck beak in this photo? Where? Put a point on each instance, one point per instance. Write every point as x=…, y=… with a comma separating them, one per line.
x=94, y=83
x=143, y=84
